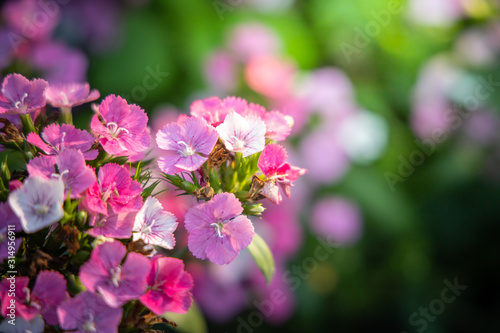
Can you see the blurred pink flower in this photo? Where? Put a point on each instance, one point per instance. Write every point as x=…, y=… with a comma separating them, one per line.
x=217, y=230
x=57, y=138
x=121, y=128
x=188, y=143
x=87, y=312
x=220, y=71
x=115, y=188
x=21, y=96
x=244, y=135
x=436, y=13
x=278, y=126
x=169, y=286
x=251, y=40
x=270, y=76
x=70, y=94
x=116, y=283
x=338, y=219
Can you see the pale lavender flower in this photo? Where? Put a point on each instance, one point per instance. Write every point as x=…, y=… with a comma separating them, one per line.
x=244, y=135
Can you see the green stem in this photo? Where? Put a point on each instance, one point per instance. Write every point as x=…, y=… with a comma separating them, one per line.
x=28, y=126
x=66, y=115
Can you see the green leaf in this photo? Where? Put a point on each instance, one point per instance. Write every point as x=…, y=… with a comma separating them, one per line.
x=263, y=257
x=189, y=322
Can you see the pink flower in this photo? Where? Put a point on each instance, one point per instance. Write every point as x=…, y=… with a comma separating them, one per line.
x=112, y=225
x=125, y=130
x=116, y=283
x=70, y=95
x=251, y=40
x=270, y=76
x=169, y=286
x=49, y=291
x=57, y=138
x=8, y=219
x=244, y=135
x=155, y=225
x=114, y=187
x=337, y=218
x=217, y=230
x=278, y=126
x=220, y=71
x=87, y=312
x=73, y=171
x=21, y=96
x=188, y=142
x=209, y=109
x=272, y=162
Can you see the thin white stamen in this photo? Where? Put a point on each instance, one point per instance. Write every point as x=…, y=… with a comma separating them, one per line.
x=218, y=227
x=114, y=130
x=187, y=151
x=116, y=273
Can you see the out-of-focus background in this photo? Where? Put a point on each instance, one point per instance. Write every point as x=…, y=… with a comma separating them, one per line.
x=397, y=114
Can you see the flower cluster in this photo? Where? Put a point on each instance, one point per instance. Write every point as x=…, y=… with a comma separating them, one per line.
x=82, y=227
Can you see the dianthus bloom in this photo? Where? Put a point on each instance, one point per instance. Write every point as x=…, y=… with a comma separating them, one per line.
x=115, y=188
x=244, y=135
x=121, y=127
x=116, y=283
x=217, y=230
x=49, y=291
x=70, y=95
x=87, y=312
x=21, y=96
x=38, y=204
x=57, y=138
x=154, y=225
x=279, y=174
x=169, y=287
x=188, y=143
x=73, y=171
x=112, y=225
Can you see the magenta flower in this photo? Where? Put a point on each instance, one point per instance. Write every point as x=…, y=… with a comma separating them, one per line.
x=188, y=142
x=38, y=204
x=49, y=291
x=112, y=225
x=8, y=219
x=209, y=109
x=21, y=96
x=217, y=230
x=56, y=138
x=114, y=187
x=73, y=171
x=70, y=95
x=121, y=127
x=272, y=162
x=154, y=225
x=87, y=312
x=169, y=286
x=244, y=135
x=116, y=283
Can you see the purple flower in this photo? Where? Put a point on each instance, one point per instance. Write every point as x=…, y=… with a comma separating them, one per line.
x=116, y=283
x=73, y=171
x=244, y=135
x=338, y=219
x=115, y=225
x=49, y=291
x=8, y=219
x=70, y=94
x=87, y=312
x=121, y=127
x=188, y=143
x=217, y=230
x=115, y=188
x=38, y=204
x=169, y=287
x=57, y=138
x=155, y=225
x=21, y=96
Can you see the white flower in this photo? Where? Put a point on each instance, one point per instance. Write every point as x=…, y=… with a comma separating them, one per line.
x=38, y=204
x=244, y=135
x=154, y=225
